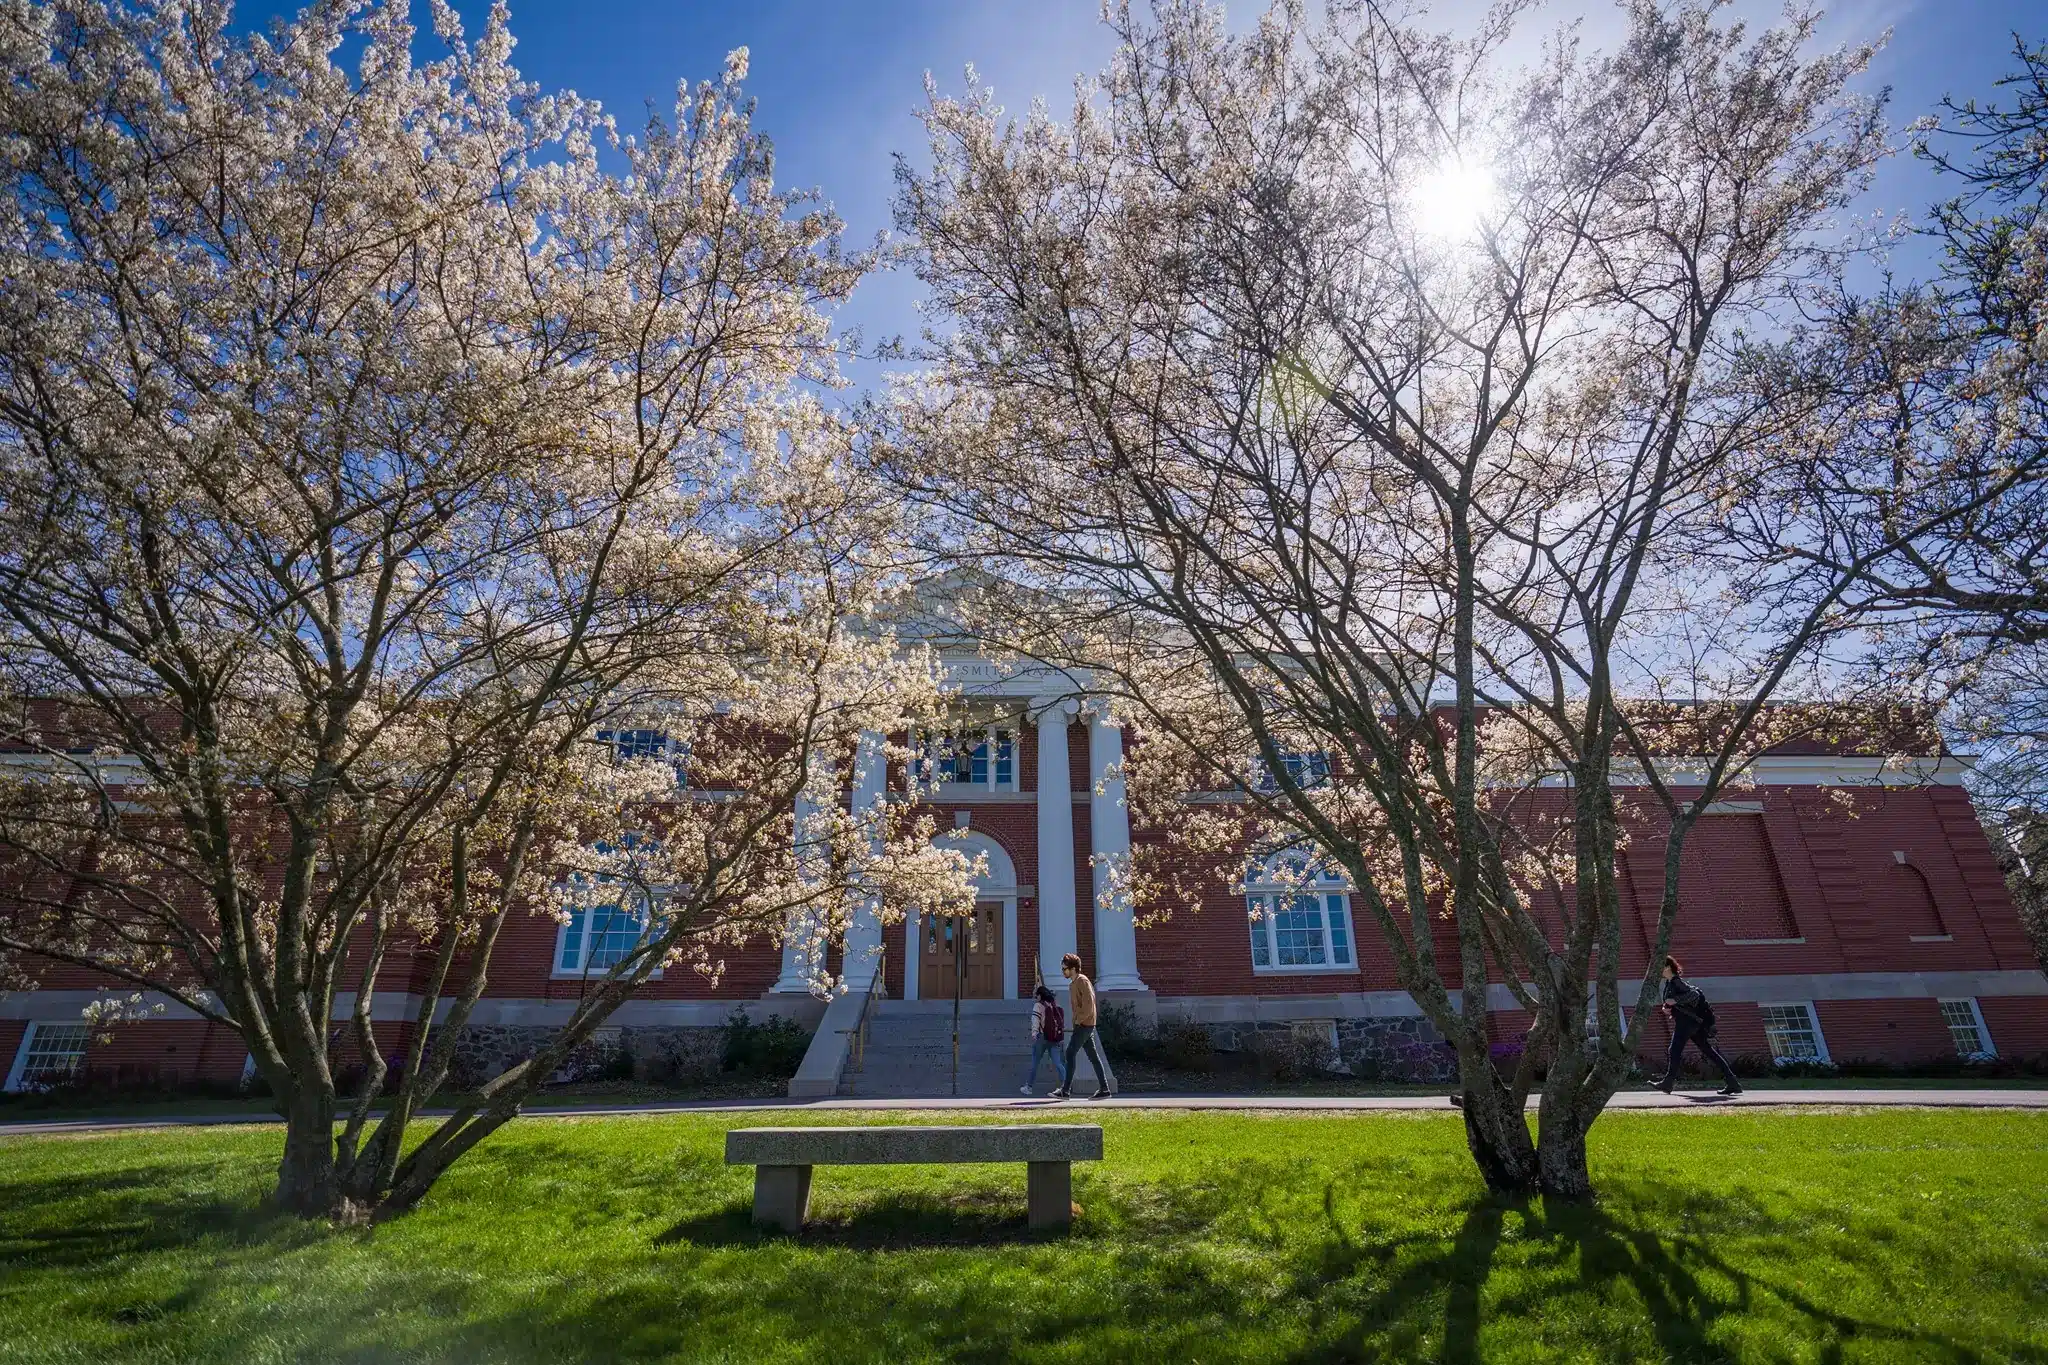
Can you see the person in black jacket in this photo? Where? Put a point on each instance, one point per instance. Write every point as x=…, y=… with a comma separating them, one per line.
x=1692, y=1019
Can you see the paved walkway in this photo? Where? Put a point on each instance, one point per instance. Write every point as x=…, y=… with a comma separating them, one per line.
x=1693, y=1102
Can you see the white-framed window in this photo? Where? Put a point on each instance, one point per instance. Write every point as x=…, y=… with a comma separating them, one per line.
x=1793, y=1033
x=597, y=938
x=1305, y=770
x=985, y=758
x=1300, y=919
x=49, y=1055
x=631, y=745
x=1966, y=1027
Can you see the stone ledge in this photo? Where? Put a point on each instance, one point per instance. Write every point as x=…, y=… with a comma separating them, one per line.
x=912, y=1144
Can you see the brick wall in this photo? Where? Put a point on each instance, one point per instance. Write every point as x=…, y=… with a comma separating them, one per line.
x=1884, y=880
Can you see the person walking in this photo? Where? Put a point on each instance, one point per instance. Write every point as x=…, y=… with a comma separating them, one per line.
x=1048, y=1030
x=1692, y=1019
x=1081, y=993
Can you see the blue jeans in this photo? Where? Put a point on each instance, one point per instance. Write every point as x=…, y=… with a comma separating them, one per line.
x=1039, y=1048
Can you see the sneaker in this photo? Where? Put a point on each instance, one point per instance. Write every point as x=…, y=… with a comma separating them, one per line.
x=1023, y=1089
x=1656, y=1080
x=1099, y=1095
x=1058, y=1094
x=1731, y=1090
x=1665, y=1085
x=1457, y=1101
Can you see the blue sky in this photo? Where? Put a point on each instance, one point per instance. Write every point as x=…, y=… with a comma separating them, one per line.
x=837, y=80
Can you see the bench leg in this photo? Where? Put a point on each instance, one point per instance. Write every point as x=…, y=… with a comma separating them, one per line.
x=1049, y=1193
x=782, y=1196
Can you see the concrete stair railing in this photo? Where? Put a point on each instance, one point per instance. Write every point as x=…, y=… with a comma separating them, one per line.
x=833, y=1045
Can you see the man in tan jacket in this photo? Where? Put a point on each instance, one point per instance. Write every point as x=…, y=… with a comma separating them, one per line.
x=1081, y=996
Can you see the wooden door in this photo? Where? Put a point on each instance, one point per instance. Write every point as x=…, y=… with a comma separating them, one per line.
x=944, y=937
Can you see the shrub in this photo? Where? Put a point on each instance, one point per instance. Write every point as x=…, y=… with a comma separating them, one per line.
x=773, y=1048
x=1121, y=1032
x=1185, y=1045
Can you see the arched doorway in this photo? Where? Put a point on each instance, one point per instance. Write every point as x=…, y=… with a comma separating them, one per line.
x=976, y=952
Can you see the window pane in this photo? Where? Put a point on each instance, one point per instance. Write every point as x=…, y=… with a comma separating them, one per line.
x=1262, y=951
x=1790, y=1031
x=1961, y=1018
x=1298, y=932
x=635, y=743
x=1340, y=930
x=613, y=934
x=1006, y=759
x=572, y=942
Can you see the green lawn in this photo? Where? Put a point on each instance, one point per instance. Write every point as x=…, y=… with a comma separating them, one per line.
x=1907, y=1235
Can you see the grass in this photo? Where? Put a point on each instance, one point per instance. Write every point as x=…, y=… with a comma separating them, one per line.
x=1135, y=1078
x=1906, y=1235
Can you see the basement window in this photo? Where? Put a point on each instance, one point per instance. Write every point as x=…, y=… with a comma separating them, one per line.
x=50, y=1055
x=1793, y=1033
x=1966, y=1027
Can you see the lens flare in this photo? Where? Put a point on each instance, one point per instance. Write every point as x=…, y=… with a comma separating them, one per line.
x=1451, y=203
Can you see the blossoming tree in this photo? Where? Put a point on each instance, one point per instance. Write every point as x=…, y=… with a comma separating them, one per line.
x=1343, y=390
x=372, y=448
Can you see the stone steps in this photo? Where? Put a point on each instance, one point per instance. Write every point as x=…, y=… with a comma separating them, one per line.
x=910, y=1051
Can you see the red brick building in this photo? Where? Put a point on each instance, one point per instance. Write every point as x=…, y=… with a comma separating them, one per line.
x=1871, y=925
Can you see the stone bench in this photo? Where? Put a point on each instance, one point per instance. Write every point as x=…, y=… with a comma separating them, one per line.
x=782, y=1159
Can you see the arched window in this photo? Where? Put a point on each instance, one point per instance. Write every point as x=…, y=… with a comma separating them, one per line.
x=1300, y=917
x=597, y=938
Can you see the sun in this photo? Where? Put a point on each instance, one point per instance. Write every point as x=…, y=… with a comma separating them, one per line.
x=1451, y=203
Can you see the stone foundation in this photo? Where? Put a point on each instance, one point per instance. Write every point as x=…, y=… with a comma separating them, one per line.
x=655, y=1054
x=1402, y=1048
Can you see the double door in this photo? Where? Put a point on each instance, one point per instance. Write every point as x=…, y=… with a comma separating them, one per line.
x=963, y=952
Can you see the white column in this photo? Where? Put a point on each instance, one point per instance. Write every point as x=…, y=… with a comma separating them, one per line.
x=810, y=832
x=1116, y=938
x=870, y=790
x=1056, y=933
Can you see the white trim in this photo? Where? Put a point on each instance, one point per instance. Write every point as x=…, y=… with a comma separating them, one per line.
x=1761, y=942
x=586, y=972
x=1311, y=969
x=28, y=1036
x=20, y=1059
x=1930, y=938
x=1273, y=966
x=1820, y=1040
x=1983, y=1030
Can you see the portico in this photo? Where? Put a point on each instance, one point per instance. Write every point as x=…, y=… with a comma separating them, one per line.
x=1029, y=863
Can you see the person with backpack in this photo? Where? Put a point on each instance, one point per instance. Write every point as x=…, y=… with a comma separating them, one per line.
x=1692, y=1020
x=1048, y=1029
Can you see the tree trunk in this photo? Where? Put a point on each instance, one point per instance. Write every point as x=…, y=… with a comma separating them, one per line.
x=306, y=1182
x=1497, y=1133
x=1561, y=1157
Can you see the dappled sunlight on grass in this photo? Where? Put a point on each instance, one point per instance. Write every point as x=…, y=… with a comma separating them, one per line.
x=1204, y=1237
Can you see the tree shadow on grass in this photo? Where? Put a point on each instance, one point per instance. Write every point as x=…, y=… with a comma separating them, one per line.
x=1668, y=1276
x=1235, y=1258
x=130, y=1212
x=895, y=1222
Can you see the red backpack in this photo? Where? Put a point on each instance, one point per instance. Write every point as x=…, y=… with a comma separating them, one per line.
x=1055, y=1024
